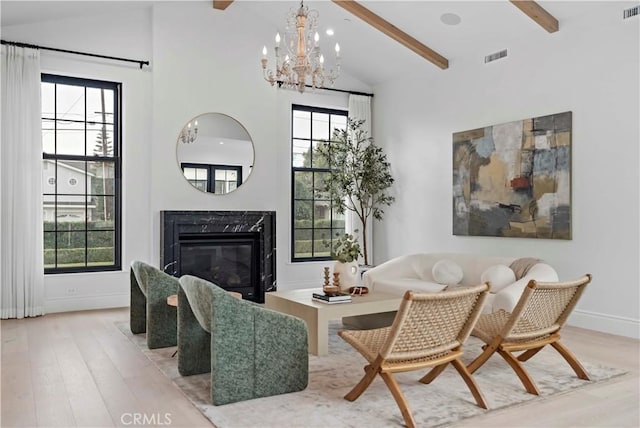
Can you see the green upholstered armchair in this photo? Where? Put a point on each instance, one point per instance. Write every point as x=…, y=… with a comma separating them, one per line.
x=149, y=310
x=250, y=351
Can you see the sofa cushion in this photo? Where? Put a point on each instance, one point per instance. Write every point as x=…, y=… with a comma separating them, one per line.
x=499, y=276
x=447, y=272
x=398, y=286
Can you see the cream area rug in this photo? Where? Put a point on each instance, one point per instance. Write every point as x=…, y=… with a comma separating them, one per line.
x=446, y=400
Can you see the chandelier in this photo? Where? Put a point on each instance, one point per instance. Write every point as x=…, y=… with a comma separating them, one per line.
x=302, y=56
x=188, y=135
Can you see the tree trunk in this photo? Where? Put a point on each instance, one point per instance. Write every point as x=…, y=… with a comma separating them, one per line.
x=364, y=240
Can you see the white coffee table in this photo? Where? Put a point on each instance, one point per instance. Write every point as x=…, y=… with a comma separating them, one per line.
x=317, y=315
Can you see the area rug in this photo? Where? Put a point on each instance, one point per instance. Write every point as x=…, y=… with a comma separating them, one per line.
x=445, y=401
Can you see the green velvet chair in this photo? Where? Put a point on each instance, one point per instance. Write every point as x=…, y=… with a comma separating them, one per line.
x=149, y=311
x=250, y=351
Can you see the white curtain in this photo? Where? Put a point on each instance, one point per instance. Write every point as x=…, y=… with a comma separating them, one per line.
x=360, y=109
x=21, y=254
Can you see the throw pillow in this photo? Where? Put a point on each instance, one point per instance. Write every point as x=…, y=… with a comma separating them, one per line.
x=447, y=272
x=498, y=276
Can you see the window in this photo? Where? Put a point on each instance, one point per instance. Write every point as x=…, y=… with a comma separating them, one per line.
x=213, y=178
x=315, y=222
x=82, y=160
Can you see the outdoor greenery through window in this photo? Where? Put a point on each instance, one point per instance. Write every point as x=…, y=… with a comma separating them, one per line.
x=80, y=174
x=315, y=220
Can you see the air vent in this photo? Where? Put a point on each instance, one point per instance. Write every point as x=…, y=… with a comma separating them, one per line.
x=495, y=56
x=631, y=12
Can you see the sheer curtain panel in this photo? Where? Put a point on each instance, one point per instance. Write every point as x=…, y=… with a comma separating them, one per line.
x=360, y=109
x=21, y=253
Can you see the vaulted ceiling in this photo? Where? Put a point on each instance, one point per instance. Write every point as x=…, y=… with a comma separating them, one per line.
x=398, y=35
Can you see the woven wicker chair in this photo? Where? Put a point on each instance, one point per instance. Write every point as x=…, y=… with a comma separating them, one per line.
x=534, y=323
x=428, y=331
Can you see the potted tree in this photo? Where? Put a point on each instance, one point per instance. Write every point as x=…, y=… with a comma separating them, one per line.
x=360, y=175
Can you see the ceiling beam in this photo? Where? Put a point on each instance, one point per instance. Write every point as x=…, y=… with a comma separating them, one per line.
x=394, y=32
x=534, y=11
x=221, y=4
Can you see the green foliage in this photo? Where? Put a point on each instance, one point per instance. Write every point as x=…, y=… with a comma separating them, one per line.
x=72, y=235
x=360, y=174
x=321, y=223
x=346, y=248
x=304, y=248
x=67, y=256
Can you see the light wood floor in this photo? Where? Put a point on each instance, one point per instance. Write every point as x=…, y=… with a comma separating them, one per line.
x=78, y=369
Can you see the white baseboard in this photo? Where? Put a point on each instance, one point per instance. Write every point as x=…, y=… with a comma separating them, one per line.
x=83, y=303
x=605, y=323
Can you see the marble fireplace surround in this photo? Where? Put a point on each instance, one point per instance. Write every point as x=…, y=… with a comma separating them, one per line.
x=215, y=223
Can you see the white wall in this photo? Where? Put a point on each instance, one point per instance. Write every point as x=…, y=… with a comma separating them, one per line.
x=590, y=69
x=124, y=36
x=198, y=68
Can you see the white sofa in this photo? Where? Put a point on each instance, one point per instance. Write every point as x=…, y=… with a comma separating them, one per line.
x=414, y=272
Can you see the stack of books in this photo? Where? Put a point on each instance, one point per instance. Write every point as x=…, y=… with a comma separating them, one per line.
x=331, y=299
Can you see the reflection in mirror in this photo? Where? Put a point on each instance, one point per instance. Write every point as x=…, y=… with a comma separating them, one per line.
x=215, y=153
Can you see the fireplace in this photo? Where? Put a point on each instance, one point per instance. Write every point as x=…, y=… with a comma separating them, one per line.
x=233, y=249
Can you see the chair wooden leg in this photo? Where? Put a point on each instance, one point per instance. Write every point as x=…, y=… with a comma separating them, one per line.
x=400, y=399
x=572, y=360
x=471, y=383
x=526, y=380
x=369, y=376
x=529, y=353
x=481, y=359
x=433, y=373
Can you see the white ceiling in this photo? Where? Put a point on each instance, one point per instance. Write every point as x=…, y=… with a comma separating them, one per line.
x=368, y=54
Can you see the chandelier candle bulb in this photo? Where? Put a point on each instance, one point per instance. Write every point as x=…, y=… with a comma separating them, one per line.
x=277, y=40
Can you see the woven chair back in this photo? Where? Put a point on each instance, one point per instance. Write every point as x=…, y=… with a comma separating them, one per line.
x=429, y=324
x=543, y=308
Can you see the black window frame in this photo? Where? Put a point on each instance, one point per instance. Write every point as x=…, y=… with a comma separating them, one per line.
x=211, y=171
x=116, y=160
x=294, y=169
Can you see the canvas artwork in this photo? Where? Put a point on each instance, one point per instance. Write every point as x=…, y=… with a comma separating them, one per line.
x=514, y=179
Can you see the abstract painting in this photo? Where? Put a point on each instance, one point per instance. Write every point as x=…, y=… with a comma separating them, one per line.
x=514, y=179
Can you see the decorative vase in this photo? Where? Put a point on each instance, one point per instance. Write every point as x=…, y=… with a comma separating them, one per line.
x=348, y=274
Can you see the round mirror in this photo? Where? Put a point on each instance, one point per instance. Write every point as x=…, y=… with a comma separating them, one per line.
x=215, y=153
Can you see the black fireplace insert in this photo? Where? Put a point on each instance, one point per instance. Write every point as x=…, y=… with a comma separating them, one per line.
x=232, y=249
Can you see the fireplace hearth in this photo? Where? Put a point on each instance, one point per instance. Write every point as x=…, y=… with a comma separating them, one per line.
x=233, y=249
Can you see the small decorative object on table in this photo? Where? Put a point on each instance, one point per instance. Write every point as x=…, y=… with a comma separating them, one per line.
x=337, y=297
x=358, y=290
x=345, y=251
x=331, y=290
x=336, y=279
